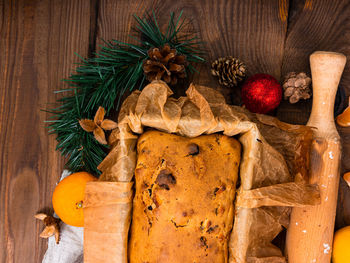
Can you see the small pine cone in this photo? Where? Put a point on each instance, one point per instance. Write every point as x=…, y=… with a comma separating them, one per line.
x=165, y=64
x=229, y=70
x=296, y=87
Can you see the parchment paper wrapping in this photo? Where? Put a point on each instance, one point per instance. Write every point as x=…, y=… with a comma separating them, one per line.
x=107, y=216
x=273, y=170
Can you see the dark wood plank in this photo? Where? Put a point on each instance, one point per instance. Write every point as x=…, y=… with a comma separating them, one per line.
x=38, y=40
x=268, y=35
x=319, y=25
x=253, y=31
x=313, y=25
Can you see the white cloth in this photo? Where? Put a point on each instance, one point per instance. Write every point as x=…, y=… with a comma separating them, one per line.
x=70, y=248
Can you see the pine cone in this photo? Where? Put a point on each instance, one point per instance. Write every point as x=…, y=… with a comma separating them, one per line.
x=229, y=70
x=296, y=87
x=165, y=64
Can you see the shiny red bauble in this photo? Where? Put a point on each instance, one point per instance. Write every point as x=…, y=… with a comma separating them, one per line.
x=261, y=93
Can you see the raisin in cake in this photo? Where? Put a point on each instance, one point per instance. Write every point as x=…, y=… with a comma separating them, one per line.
x=184, y=201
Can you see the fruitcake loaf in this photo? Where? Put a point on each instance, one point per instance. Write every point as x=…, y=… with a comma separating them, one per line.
x=183, y=206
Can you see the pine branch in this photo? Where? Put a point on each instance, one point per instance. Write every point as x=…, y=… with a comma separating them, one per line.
x=102, y=81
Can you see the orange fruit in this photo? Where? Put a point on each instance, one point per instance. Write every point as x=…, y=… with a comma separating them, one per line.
x=343, y=119
x=341, y=252
x=67, y=199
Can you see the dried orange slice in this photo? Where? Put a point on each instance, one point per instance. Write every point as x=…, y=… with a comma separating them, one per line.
x=347, y=178
x=67, y=199
x=344, y=118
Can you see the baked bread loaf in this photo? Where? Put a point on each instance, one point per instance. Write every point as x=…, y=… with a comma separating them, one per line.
x=183, y=206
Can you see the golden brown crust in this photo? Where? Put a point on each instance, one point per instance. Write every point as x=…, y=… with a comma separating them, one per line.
x=183, y=207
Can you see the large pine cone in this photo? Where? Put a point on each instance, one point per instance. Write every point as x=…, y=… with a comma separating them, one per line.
x=165, y=64
x=296, y=87
x=229, y=70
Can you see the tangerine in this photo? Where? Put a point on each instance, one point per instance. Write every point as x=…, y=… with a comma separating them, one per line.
x=341, y=252
x=67, y=198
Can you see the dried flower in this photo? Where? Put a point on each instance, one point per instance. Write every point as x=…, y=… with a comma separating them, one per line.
x=98, y=125
x=51, y=226
x=296, y=87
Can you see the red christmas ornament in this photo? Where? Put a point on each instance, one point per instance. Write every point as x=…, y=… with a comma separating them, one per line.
x=261, y=93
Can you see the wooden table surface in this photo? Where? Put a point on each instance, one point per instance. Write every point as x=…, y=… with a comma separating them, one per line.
x=38, y=41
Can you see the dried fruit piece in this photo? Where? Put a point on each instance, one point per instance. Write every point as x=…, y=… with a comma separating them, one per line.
x=296, y=87
x=193, y=149
x=164, y=179
x=344, y=118
x=347, y=178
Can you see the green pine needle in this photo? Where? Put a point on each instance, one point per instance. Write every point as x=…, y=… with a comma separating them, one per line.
x=102, y=81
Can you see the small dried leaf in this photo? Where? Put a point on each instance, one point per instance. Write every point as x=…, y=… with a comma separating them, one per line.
x=40, y=216
x=100, y=114
x=48, y=231
x=100, y=135
x=108, y=125
x=87, y=125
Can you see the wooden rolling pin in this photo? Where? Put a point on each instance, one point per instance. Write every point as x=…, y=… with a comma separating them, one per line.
x=310, y=234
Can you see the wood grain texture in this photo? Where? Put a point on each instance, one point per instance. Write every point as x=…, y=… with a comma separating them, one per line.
x=314, y=25
x=37, y=40
x=253, y=31
x=310, y=232
x=319, y=25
